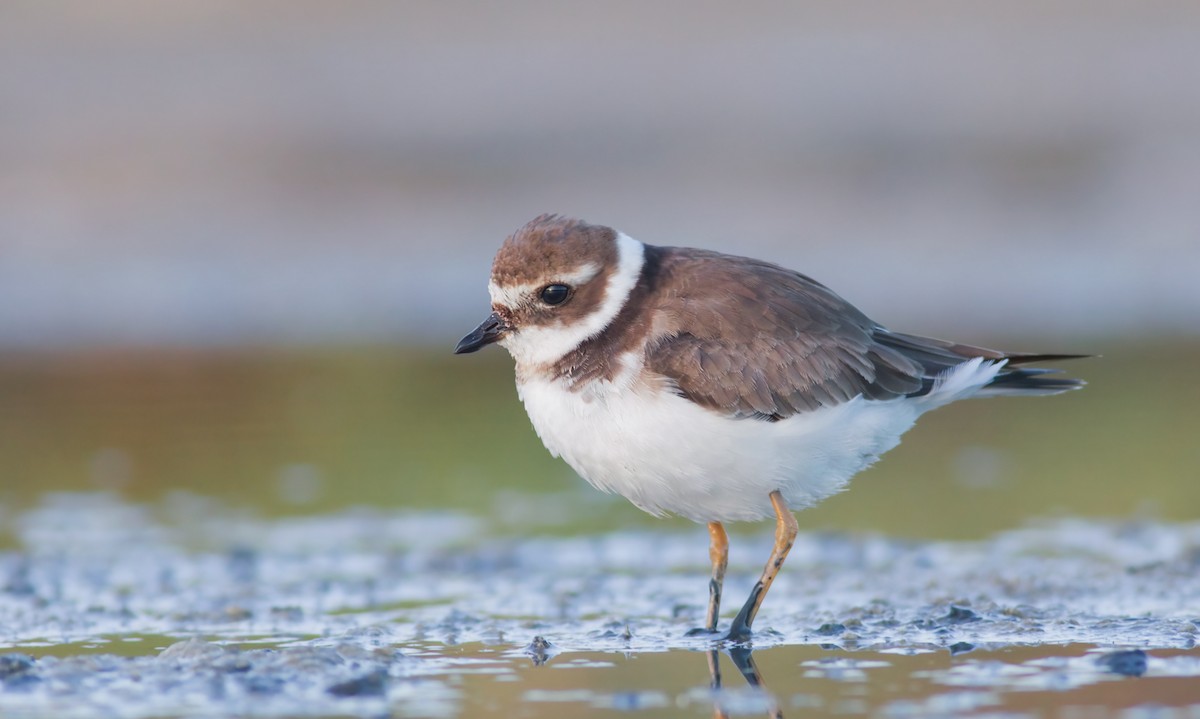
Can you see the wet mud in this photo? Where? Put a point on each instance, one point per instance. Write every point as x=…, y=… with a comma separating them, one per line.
x=188, y=609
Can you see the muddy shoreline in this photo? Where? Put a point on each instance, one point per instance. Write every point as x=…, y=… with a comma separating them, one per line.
x=349, y=612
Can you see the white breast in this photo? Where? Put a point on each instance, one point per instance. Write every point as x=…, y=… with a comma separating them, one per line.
x=669, y=455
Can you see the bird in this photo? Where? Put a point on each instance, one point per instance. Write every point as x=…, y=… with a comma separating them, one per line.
x=715, y=387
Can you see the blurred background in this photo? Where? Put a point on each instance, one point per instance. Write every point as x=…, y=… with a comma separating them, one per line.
x=238, y=241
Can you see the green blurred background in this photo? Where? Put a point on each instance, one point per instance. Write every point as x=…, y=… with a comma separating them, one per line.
x=237, y=242
x=310, y=430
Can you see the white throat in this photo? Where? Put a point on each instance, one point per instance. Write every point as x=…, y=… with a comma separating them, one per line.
x=535, y=346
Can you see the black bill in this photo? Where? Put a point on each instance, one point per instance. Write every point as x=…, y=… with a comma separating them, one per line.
x=490, y=330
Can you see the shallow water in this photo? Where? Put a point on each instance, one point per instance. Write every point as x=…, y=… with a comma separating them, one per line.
x=189, y=608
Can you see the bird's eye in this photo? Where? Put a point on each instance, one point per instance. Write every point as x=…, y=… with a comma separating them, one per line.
x=555, y=294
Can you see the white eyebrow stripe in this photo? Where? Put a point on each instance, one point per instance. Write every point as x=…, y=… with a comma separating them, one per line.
x=513, y=295
x=581, y=275
x=510, y=296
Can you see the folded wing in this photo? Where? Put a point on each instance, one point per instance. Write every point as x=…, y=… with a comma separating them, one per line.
x=753, y=340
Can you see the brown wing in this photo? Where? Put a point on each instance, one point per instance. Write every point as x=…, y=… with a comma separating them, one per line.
x=756, y=340
x=751, y=339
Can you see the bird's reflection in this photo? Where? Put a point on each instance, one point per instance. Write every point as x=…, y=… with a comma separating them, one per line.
x=743, y=659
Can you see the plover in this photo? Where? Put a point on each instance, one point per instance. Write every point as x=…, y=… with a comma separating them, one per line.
x=715, y=387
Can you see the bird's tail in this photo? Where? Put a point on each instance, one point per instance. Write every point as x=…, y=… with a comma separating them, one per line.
x=938, y=357
x=1028, y=381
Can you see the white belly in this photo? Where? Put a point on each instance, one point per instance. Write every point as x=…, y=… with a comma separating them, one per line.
x=669, y=455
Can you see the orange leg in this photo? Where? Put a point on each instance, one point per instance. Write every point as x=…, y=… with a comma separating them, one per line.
x=785, y=536
x=718, y=552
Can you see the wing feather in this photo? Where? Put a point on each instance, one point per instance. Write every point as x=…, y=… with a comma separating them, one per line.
x=754, y=340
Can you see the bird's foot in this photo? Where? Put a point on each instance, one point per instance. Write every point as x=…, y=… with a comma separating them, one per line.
x=737, y=634
x=739, y=629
